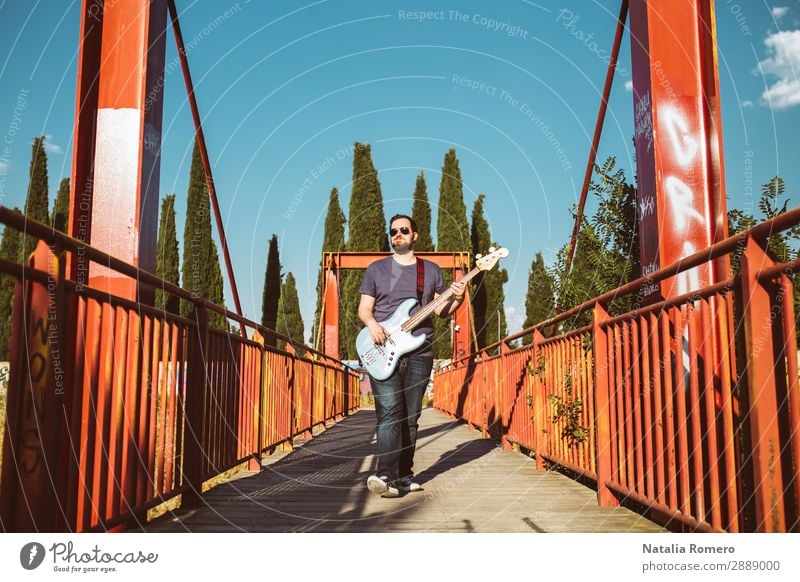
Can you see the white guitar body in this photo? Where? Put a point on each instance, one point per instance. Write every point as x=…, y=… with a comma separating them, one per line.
x=381, y=361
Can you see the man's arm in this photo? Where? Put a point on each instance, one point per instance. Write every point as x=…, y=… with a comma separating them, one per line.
x=365, y=314
x=449, y=307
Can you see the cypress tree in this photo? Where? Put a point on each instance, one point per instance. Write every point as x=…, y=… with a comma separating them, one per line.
x=37, y=205
x=539, y=300
x=201, y=273
x=367, y=220
x=421, y=213
x=290, y=321
x=167, y=266
x=452, y=231
x=332, y=241
x=487, y=305
x=452, y=234
x=60, y=215
x=272, y=290
x=367, y=231
x=9, y=250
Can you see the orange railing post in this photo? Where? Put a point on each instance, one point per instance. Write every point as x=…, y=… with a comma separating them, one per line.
x=196, y=387
x=793, y=388
x=504, y=398
x=602, y=429
x=539, y=417
x=762, y=390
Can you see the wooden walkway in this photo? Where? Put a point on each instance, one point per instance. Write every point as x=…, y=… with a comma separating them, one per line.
x=470, y=485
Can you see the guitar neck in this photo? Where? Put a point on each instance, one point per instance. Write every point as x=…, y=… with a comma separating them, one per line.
x=428, y=310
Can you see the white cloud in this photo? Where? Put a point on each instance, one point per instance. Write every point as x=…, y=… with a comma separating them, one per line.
x=50, y=147
x=514, y=319
x=783, y=62
x=629, y=85
x=779, y=12
x=747, y=104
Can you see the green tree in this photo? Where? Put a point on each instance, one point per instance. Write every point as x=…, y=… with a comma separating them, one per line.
x=60, y=215
x=772, y=204
x=587, y=278
x=488, y=298
x=539, y=299
x=332, y=241
x=272, y=290
x=421, y=213
x=607, y=248
x=167, y=259
x=290, y=322
x=738, y=221
x=367, y=232
x=200, y=270
x=452, y=230
x=37, y=205
x=9, y=250
x=616, y=225
x=452, y=234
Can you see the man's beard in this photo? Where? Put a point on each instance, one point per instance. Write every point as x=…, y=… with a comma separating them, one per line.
x=403, y=248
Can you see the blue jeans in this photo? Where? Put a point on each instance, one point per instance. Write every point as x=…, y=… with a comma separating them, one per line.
x=398, y=403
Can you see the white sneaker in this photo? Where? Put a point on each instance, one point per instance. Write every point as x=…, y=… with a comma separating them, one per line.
x=408, y=485
x=381, y=486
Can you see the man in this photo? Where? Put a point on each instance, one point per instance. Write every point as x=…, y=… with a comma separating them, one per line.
x=398, y=399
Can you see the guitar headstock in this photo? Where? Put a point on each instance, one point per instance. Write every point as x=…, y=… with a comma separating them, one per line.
x=487, y=262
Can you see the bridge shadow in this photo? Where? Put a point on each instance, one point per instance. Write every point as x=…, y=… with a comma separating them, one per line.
x=517, y=402
x=320, y=486
x=463, y=454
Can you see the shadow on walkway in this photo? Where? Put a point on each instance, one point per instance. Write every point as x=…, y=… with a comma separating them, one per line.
x=469, y=484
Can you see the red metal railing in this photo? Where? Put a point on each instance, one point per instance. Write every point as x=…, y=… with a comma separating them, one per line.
x=133, y=405
x=702, y=429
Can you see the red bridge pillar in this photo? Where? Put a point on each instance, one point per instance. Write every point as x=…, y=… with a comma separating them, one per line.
x=330, y=330
x=678, y=137
x=116, y=159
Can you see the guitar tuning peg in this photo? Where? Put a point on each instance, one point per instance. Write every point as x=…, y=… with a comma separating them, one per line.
x=492, y=249
x=478, y=256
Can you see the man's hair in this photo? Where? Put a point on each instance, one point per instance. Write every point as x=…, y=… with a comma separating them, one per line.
x=406, y=216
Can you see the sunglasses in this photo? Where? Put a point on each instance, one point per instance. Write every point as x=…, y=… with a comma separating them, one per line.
x=403, y=229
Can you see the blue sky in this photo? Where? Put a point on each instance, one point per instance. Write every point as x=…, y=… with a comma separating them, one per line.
x=286, y=88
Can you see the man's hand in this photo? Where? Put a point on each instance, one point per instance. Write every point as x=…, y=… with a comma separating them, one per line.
x=458, y=288
x=377, y=333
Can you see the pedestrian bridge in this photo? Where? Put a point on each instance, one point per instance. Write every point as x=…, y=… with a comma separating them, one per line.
x=685, y=412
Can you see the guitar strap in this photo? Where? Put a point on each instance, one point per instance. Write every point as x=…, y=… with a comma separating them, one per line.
x=420, y=279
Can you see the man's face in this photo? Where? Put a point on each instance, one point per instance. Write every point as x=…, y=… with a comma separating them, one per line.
x=403, y=238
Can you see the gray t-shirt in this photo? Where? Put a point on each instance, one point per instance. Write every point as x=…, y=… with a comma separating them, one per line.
x=391, y=283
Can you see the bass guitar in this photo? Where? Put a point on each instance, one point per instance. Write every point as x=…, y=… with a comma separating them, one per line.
x=381, y=360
